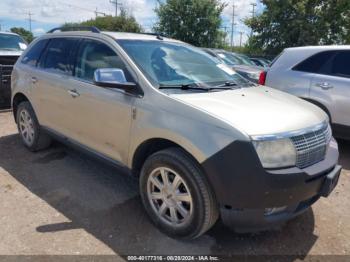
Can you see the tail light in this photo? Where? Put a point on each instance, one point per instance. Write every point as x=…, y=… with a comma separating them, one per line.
x=262, y=78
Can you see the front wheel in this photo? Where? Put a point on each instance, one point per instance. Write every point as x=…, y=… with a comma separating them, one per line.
x=176, y=194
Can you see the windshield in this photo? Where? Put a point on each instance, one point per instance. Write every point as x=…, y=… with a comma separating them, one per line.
x=246, y=60
x=229, y=59
x=12, y=42
x=263, y=62
x=168, y=63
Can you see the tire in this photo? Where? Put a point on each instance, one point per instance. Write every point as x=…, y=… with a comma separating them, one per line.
x=192, y=194
x=32, y=135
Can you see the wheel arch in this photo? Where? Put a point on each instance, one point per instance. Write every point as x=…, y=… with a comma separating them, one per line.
x=320, y=105
x=17, y=99
x=149, y=147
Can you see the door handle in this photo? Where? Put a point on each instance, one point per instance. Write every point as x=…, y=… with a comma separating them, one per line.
x=73, y=93
x=34, y=79
x=324, y=85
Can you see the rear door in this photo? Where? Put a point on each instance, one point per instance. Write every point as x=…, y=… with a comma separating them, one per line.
x=25, y=73
x=296, y=79
x=102, y=116
x=51, y=84
x=332, y=85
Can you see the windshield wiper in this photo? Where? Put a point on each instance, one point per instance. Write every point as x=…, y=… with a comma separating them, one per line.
x=184, y=87
x=226, y=85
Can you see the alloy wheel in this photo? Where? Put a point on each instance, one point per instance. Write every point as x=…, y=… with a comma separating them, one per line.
x=169, y=196
x=26, y=127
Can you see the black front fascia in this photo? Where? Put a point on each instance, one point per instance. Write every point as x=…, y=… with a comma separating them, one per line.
x=6, y=67
x=240, y=181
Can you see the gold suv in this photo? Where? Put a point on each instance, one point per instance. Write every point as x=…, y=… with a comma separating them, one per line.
x=204, y=141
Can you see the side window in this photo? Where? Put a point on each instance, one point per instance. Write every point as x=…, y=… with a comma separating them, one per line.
x=314, y=63
x=94, y=55
x=58, y=55
x=33, y=55
x=341, y=64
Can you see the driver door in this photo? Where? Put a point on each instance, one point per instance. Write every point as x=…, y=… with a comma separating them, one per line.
x=102, y=115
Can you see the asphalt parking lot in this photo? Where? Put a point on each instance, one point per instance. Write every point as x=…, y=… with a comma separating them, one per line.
x=60, y=201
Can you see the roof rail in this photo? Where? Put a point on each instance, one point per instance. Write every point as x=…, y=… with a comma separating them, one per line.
x=158, y=35
x=75, y=28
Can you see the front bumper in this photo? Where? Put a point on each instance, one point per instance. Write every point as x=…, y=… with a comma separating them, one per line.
x=5, y=86
x=247, y=193
x=253, y=220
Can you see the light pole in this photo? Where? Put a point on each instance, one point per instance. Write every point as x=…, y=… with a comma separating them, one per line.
x=253, y=15
x=232, y=24
x=115, y=2
x=240, y=39
x=30, y=20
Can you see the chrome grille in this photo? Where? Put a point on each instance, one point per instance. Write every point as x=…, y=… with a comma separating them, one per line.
x=311, y=147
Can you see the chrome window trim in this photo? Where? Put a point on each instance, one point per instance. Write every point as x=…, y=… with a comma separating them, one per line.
x=289, y=134
x=84, y=81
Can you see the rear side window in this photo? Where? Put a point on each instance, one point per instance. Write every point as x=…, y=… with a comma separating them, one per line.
x=33, y=55
x=314, y=63
x=58, y=56
x=341, y=64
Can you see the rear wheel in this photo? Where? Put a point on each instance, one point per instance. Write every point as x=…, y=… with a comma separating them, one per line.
x=176, y=194
x=29, y=129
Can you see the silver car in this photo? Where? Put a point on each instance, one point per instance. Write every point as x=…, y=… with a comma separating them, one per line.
x=204, y=142
x=238, y=62
x=319, y=74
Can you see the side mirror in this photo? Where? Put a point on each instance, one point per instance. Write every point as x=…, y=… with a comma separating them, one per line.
x=112, y=78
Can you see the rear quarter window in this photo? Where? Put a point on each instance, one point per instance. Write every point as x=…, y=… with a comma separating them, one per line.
x=34, y=53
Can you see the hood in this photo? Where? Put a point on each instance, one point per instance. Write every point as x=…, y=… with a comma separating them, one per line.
x=257, y=110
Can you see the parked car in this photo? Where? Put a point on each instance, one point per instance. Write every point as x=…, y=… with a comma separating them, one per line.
x=11, y=47
x=260, y=62
x=237, y=62
x=204, y=141
x=319, y=74
x=267, y=61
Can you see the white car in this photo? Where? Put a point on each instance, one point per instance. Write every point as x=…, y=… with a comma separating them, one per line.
x=319, y=74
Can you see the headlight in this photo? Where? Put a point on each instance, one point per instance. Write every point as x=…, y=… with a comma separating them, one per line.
x=276, y=153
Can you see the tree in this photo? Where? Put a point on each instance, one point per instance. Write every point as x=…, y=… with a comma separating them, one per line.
x=335, y=21
x=122, y=23
x=288, y=23
x=27, y=35
x=193, y=21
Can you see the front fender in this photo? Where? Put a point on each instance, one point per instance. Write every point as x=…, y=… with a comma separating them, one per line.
x=198, y=133
x=198, y=139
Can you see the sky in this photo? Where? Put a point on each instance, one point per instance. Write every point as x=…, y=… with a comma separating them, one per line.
x=47, y=14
